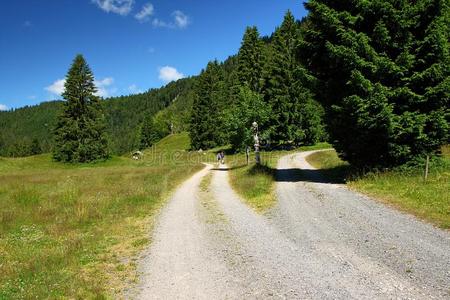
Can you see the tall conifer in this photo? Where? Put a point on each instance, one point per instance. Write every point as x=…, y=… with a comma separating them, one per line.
x=250, y=60
x=80, y=130
x=206, y=129
x=383, y=68
x=296, y=117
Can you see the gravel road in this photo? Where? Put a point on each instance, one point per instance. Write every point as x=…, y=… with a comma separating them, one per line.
x=321, y=241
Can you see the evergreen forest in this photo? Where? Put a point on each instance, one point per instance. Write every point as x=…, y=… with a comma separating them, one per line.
x=369, y=77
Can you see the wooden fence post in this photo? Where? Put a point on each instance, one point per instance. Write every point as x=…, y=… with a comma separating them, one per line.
x=427, y=165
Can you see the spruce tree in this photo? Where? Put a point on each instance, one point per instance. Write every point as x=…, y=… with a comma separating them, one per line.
x=296, y=117
x=383, y=71
x=148, y=133
x=279, y=83
x=250, y=60
x=206, y=128
x=80, y=129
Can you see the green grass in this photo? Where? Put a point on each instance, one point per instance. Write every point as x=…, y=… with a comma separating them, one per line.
x=319, y=146
x=330, y=165
x=325, y=160
x=403, y=188
x=179, y=141
x=72, y=231
x=256, y=184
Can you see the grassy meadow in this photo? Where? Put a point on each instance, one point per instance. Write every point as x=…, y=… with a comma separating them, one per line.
x=73, y=231
x=403, y=188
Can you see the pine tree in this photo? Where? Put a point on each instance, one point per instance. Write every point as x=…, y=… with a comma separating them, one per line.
x=206, y=128
x=250, y=60
x=80, y=130
x=383, y=76
x=148, y=133
x=279, y=82
x=296, y=117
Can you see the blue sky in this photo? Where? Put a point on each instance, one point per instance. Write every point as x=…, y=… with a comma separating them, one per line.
x=131, y=45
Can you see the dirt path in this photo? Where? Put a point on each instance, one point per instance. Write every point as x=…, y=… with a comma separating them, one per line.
x=320, y=242
x=181, y=263
x=371, y=250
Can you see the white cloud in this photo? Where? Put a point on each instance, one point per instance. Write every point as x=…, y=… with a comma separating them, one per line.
x=104, y=82
x=3, y=107
x=168, y=74
x=121, y=7
x=159, y=23
x=145, y=13
x=57, y=87
x=134, y=89
x=181, y=20
x=104, y=87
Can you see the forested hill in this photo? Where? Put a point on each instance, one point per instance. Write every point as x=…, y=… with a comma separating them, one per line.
x=373, y=79
x=28, y=130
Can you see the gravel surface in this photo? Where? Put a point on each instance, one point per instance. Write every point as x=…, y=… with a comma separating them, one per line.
x=321, y=241
x=372, y=250
x=180, y=263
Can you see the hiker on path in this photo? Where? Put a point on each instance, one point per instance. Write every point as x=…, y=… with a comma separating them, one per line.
x=219, y=158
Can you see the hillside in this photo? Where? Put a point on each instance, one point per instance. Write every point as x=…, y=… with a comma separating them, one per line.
x=23, y=127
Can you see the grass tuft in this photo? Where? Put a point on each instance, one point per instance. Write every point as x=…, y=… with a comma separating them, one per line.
x=255, y=184
x=330, y=165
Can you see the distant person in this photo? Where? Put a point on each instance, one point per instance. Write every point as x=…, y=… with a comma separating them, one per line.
x=219, y=158
x=222, y=157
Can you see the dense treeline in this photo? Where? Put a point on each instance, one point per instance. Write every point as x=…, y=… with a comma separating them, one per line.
x=372, y=77
x=21, y=128
x=264, y=83
x=29, y=130
x=383, y=76
x=375, y=74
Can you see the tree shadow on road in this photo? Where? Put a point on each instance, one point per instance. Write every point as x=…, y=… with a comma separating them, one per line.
x=228, y=168
x=335, y=175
